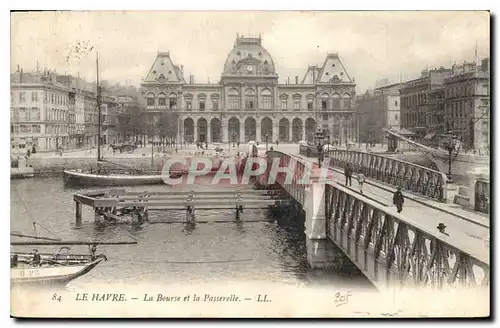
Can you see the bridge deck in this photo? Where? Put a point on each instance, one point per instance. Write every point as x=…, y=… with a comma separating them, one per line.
x=471, y=237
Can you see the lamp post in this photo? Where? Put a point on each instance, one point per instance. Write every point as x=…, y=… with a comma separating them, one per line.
x=267, y=140
x=319, y=136
x=450, y=144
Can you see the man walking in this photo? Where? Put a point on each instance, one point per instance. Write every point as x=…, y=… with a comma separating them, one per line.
x=398, y=200
x=361, y=180
x=348, y=175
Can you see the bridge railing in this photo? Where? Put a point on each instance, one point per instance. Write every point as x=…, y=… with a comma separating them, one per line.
x=415, y=178
x=390, y=250
x=296, y=186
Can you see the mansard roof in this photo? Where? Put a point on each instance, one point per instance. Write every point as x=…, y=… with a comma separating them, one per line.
x=163, y=70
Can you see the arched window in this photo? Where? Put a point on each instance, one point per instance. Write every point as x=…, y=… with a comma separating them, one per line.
x=162, y=99
x=267, y=99
x=215, y=101
x=188, y=99
x=201, y=101
x=347, y=101
x=233, y=99
x=336, y=101
x=324, y=101
x=296, y=101
x=310, y=101
x=151, y=99
x=249, y=99
x=172, y=100
x=284, y=102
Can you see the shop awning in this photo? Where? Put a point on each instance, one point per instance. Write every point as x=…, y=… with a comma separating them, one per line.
x=429, y=136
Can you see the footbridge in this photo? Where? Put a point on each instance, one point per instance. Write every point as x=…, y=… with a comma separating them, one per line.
x=392, y=249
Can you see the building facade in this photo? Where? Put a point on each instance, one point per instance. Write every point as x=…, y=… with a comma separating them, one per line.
x=249, y=103
x=467, y=99
x=40, y=112
x=379, y=109
x=418, y=114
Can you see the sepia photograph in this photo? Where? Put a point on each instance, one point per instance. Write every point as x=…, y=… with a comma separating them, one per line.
x=250, y=164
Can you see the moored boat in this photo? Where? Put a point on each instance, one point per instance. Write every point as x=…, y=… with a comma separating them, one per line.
x=79, y=178
x=51, y=269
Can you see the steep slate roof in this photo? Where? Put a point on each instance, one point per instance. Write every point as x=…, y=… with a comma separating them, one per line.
x=164, y=70
x=333, y=67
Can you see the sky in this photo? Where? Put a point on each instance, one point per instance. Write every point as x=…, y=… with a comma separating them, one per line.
x=371, y=45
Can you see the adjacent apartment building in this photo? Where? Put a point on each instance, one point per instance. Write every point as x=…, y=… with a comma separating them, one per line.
x=467, y=105
x=379, y=109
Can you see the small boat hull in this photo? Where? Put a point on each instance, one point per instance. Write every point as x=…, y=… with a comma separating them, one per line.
x=53, y=275
x=75, y=178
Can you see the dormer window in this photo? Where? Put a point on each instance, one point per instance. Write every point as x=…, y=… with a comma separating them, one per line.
x=162, y=63
x=265, y=62
x=154, y=72
x=169, y=72
x=238, y=53
x=333, y=65
x=326, y=73
x=260, y=53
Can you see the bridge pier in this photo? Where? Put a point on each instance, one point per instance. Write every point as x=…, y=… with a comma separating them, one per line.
x=321, y=251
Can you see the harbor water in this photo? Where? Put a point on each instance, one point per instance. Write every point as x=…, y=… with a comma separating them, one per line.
x=264, y=245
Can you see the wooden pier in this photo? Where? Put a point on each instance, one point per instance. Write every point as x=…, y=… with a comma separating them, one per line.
x=119, y=205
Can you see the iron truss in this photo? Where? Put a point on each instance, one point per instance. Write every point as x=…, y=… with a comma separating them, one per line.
x=418, y=179
x=388, y=249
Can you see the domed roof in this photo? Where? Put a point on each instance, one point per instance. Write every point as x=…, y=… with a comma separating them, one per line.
x=248, y=57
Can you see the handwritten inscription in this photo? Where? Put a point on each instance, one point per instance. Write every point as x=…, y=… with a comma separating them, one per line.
x=342, y=298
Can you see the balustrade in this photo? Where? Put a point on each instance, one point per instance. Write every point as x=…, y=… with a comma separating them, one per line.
x=391, y=251
x=415, y=178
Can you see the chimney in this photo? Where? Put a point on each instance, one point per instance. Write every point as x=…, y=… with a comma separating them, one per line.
x=191, y=79
x=182, y=71
x=296, y=80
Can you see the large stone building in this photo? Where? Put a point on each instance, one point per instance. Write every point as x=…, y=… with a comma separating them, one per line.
x=40, y=112
x=425, y=118
x=467, y=99
x=379, y=109
x=248, y=103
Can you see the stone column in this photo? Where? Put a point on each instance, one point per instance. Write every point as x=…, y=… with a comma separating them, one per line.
x=257, y=130
x=223, y=131
x=242, y=132
x=209, y=132
x=304, y=131
x=290, y=133
x=195, y=132
x=275, y=132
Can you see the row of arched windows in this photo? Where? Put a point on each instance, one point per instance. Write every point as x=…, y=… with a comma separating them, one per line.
x=250, y=100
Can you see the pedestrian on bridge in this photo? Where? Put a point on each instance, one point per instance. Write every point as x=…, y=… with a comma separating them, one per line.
x=348, y=175
x=398, y=200
x=361, y=180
